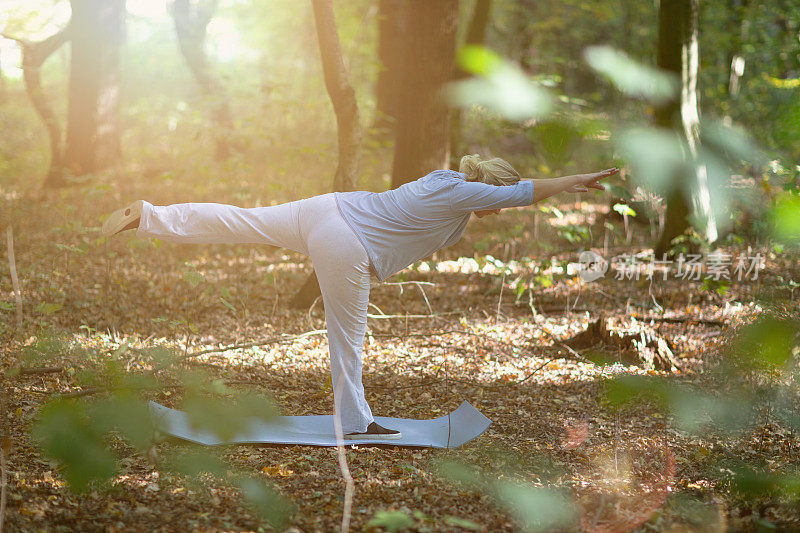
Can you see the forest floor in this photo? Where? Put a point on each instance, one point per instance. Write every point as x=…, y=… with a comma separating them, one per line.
x=470, y=332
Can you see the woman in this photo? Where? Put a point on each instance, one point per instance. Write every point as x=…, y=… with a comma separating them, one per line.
x=351, y=236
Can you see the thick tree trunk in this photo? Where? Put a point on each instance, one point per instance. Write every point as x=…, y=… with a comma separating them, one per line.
x=475, y=36
x=191, y=19
x=93, y=114
x=348, y=126
x=390, y=30
x=33, y=56
x=423, y=118
x=678, y=53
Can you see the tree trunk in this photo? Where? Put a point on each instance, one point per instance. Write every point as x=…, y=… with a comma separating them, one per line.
x=678, y=53
x=33, y=56
x=348, y=126
x=390, y=30
x=423, y=119
x=475, y=36
x=93, y=111
x=2, y=83
x=734, y=58
x=191, y=19
x=342, y=97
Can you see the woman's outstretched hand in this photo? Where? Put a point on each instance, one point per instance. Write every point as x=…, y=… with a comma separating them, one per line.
x=584, y=182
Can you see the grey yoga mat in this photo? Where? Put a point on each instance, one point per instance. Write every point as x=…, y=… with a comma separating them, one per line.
x=464, y=424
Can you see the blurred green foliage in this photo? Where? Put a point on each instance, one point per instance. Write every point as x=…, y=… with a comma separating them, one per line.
x=82, y=434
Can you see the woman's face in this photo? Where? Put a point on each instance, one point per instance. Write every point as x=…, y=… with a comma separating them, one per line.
x=481, y=214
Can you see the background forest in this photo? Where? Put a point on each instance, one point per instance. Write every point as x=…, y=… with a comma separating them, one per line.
x=654, y=398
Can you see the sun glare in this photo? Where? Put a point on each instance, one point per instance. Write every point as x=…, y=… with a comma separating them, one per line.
x=147, y=8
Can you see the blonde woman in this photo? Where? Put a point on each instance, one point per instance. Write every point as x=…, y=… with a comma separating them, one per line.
x=351, y=236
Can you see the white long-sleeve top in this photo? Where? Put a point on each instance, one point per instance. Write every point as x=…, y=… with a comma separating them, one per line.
x=403, y=225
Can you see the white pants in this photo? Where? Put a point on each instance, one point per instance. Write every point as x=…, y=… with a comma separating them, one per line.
x=313, y=227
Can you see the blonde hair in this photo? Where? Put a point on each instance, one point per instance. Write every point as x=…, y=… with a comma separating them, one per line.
x=494, y=171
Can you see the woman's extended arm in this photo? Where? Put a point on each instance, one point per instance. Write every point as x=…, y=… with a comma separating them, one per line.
x=545, y=188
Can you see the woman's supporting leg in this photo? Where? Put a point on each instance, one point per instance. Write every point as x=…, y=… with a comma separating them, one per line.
x=209, y=223
x=342, y=268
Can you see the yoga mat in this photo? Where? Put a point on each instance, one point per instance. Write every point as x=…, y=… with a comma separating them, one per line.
x=465, y=424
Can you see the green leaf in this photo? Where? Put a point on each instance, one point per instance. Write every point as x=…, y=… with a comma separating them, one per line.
x=502, y=87
x=478, y=59
x=391, y=520
x=6, y=306
x=558, y=140
x=66, y=434
x=266, y=501
x=631, y=77
x=731, y=141
x=127, y=413
x=785, y=217
x=656, y=156
x=160, y=355
x=462, y=523
x=227, y=418
x=624, y=390
x=461, y=473
x=48, y=309
x=767, y=343
x=624, y=210
x=227, y=304
x=536, y=508
x=193, y=277
x=196, y=462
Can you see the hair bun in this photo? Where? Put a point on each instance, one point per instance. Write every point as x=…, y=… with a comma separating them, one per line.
x=470, y=166
x=494, y=171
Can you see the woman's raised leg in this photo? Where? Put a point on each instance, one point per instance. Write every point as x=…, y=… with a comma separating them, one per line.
x=209, y=223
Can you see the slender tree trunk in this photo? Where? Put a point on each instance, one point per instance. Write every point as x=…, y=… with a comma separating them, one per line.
x=191, y=22
x=33, y=56
x=2, y=84
x=423, y=118
x=342, y=97
x=390, y=53
x=348, y=126
x=93, y=113
x=475, y=36
x=678, y=53
x=734, y=57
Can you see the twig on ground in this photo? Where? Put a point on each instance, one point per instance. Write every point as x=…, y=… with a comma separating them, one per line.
x=471, y=383
x=680, y=320
x=97, y=390
x=419, y=285
x=428, y=334
x=27, y=371
x=343, y=467
x=85, y=392
x=311, y=309
x=437, y=315
x=401, y=283
x=12, y=266
x=553, y=337
x=500, y=299
x=3, y=480
x=264, y=342
x=370, y=304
